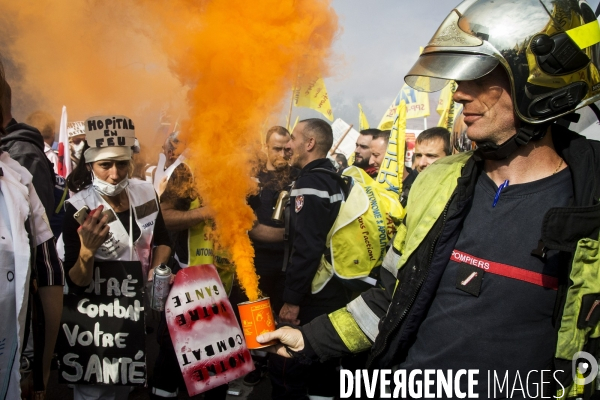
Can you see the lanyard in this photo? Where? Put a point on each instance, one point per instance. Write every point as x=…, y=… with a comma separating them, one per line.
x=131, y=211
x=508, y=271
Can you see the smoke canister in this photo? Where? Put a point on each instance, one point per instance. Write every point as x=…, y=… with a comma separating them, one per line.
x=161, y=285
x=257, y=318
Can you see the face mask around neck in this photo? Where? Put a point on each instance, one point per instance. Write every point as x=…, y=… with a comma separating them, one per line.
x=108, y=189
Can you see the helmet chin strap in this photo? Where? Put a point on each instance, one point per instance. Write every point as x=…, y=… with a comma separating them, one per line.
x=525, y=133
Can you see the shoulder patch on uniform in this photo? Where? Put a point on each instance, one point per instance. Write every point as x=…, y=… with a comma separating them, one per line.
x=299, y=203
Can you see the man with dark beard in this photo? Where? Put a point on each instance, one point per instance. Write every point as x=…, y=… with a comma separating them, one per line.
x=362, y=154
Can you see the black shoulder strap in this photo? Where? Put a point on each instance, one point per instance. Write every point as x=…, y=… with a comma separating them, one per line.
x=344, y=181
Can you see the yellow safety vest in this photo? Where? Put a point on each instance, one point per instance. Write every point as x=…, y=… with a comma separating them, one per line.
x=359, y=236
x=203, y=250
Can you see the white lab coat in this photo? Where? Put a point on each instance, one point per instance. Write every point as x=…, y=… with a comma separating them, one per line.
x=22, y=202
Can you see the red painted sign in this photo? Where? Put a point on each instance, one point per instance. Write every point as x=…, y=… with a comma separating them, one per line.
x=207, y=338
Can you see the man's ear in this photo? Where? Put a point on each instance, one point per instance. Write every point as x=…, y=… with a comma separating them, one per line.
x=310, y=143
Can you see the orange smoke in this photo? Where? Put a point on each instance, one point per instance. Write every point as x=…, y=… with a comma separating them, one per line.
x=240, y=60
x=236, y=62
x=90, y=56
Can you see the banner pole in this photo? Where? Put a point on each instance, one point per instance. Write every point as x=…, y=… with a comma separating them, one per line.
x=289, y=117
x=334, y=148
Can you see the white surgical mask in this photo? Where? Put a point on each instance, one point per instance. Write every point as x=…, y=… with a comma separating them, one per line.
x=77, y=149
x=108, y=189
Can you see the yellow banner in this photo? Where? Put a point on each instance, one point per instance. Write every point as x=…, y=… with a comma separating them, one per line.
x=417, y=106
x=351, y=158
x=445, y=97
x=312, y=93
x=392, y=169
x=447, y=108
x=362, y=119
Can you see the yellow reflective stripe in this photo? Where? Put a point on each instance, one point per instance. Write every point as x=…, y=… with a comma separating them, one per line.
x=62, y=200
x=585, y=35
x=351, y=334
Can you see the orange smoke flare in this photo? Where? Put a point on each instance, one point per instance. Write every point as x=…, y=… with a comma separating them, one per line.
x=237, y=62
x=240, y=61
x=91, y=56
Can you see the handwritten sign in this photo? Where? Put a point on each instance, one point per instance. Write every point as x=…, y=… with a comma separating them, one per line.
x=207, y=338
x=102, y=333
x=109, y=130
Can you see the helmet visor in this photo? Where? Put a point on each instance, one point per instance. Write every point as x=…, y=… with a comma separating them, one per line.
x=433, y=71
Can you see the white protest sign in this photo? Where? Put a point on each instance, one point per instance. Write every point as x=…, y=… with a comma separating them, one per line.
x=109, y=130
x=348, y=144
x=207, y=338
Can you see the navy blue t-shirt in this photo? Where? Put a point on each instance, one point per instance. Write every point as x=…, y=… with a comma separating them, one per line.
x=507, y=326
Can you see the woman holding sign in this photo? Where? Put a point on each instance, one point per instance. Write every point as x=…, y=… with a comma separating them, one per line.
x=114, y=235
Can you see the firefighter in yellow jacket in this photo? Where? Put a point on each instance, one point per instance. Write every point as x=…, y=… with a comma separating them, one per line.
x=496, y=267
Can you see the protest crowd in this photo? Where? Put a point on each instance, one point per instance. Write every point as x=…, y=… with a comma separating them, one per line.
x=472, y=245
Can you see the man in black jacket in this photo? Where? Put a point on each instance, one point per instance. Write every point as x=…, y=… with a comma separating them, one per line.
x=495, y=272
x=315, y=202
x=25, y=145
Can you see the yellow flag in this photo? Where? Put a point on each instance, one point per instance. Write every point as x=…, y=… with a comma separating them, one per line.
x=351, y=158
x=392, y=169
x=417, y=106
x=362, y=119
x=447, y=108
x=312, y=93
x=446, y=97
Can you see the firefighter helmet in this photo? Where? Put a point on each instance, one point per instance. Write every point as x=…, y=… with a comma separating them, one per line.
x=549, y=48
